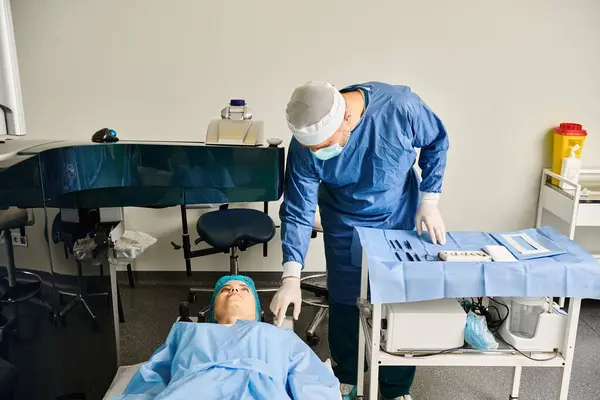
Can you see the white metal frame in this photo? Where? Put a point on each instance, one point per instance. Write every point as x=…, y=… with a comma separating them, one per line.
x=10, y=82
x=567, y=206
x=369, y=345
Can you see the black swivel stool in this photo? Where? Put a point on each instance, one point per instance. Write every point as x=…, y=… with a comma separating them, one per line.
x=17, y=286
x=233, y=230
x=8, y=380
x=69, y=233
x=317, y=285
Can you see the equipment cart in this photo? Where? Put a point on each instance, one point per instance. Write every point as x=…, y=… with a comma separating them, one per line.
x=370, y=329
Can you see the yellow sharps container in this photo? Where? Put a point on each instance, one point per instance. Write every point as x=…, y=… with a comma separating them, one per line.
x=566, y=135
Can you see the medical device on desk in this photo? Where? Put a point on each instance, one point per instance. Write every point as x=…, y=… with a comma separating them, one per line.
x=513, y=246
x=236, y=127
x=490, y=253
x=459, y=255
x=423, y=325
x=533, y=323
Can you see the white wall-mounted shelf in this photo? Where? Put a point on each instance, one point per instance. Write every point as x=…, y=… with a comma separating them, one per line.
x=570, y=204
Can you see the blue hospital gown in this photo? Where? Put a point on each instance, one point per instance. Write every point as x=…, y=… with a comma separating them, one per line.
x=248, y=360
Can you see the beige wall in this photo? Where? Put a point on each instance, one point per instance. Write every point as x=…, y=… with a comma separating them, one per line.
x=499, y=74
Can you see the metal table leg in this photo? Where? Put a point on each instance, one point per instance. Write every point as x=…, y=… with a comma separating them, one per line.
x=516, y=383
x=361, y=333
x=120, y=306
x=114, y=294
x=569, y=346
x=374, y=359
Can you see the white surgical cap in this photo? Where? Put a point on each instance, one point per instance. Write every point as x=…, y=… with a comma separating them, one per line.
x=315, y=111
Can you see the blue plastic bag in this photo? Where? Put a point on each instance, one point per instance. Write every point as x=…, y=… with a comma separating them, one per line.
x=477, y=333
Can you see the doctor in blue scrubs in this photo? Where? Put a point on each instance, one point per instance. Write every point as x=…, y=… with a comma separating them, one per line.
x=353, y=153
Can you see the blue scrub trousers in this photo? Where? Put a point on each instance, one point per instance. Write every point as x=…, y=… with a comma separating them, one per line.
x=343, y=343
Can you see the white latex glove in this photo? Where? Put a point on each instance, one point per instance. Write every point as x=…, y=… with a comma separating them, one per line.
x=289, y=293
x=429, y=214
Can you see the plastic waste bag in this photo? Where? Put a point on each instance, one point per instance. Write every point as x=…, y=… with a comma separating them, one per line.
x=86, y=249
x=129, y=246
x=477, y=333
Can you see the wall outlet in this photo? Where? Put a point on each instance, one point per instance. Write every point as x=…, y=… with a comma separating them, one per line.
x=17, y=239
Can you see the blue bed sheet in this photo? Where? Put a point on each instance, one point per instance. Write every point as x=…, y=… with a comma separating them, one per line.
x=248, y=360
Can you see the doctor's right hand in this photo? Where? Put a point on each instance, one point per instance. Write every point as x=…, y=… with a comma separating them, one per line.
x=288, y=293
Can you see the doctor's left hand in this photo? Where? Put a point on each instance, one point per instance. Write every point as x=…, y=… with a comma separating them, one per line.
x=429, y=214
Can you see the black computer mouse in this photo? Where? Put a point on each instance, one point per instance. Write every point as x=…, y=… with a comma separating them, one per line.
x=105, y=135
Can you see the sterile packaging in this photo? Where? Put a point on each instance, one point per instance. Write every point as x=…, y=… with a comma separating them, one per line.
x=129, y=246
x=85, y=250
x=477, y=333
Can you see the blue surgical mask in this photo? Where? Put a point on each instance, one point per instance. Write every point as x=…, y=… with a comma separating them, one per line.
x=328, y=152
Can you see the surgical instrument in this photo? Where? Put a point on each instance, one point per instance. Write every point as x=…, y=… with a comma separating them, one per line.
x=398, y=257
x=410, y=258
x=460, y=255
x=392, y=244
x=407, y=244
x=398, y=244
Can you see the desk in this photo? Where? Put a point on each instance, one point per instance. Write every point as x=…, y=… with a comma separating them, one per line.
x=67, y=174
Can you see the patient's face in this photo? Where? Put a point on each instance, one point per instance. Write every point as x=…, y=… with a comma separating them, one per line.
x=234, y=301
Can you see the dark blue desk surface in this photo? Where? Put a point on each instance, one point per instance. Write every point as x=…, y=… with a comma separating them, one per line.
x=134, y=173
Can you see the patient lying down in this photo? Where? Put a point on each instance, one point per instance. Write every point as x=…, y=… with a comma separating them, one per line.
x=237, y=357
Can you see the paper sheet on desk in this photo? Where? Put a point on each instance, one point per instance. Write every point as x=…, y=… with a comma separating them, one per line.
x=572, y=274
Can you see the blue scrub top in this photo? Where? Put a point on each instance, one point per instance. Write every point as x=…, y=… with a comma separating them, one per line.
x=371, y=183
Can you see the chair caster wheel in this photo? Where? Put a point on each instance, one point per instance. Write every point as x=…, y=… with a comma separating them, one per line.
x=53, y=319
x=312, y=340
x=95, y=325
x=63, y=320
x=191, y=297
x=15, y=335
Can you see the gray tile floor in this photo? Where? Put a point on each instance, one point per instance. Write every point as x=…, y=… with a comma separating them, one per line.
x=150, y=310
